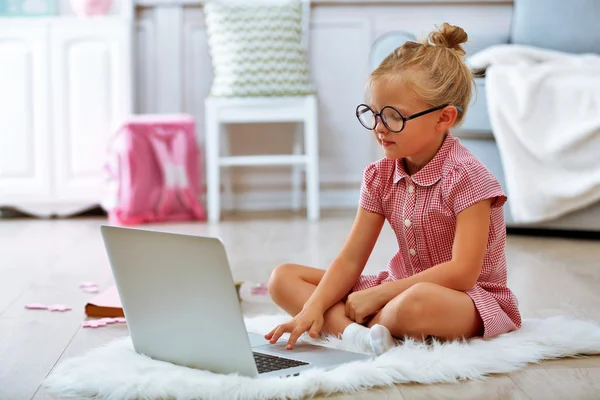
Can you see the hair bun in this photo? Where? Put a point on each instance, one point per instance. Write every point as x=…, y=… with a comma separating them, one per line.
x=450, y=36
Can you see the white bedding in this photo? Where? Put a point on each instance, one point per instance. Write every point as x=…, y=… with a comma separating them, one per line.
x=544, y=110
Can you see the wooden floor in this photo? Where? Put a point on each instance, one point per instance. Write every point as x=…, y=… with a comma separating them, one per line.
x=44, y=260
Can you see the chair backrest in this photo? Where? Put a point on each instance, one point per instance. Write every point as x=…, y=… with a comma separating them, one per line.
x=571, y=26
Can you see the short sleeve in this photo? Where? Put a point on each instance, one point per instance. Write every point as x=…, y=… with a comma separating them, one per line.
x=370, y=190
x=469, y=184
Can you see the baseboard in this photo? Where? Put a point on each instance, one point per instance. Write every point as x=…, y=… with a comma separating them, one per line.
x=554, y=232
x=244, y=199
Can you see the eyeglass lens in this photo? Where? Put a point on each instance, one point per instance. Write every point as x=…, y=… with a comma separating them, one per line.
x=391, y=118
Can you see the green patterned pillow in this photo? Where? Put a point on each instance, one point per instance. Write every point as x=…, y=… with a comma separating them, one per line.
x=256, y=48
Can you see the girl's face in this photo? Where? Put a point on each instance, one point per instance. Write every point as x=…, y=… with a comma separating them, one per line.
x=422, y=136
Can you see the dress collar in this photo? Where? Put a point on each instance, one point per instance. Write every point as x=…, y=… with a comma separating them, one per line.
x=432, y=171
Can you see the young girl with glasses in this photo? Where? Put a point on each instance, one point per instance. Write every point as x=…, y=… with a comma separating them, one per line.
x=448, y=279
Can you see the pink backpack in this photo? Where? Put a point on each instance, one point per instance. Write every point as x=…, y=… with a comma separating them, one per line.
x=154, y=171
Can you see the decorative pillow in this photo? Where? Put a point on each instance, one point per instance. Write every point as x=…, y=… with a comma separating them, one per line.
x=256, y=48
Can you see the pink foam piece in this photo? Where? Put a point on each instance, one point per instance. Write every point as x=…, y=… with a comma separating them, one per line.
x=59, y=307
x=91, y=289
x=87, y=284
x=102, y=322
x=93, y=324
x=36, y=306
x=259, y=289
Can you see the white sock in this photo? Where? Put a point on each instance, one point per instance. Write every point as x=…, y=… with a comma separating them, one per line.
x=359, y=336
x=381, y=339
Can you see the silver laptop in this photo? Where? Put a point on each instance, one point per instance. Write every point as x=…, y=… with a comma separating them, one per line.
x=181, y=306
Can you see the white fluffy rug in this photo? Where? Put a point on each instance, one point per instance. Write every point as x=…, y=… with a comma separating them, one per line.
x=115, y=371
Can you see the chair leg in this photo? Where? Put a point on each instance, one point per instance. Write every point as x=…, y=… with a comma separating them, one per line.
x=228, y=200
x=213, y=168
x=311, y=145
x=297, y=169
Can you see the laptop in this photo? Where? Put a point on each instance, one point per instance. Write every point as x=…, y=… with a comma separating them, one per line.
x=181, y=305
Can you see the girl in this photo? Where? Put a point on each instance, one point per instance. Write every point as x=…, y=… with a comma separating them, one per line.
x=448, y=278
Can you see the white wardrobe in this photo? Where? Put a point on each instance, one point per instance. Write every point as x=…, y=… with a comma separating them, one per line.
x=65, y=85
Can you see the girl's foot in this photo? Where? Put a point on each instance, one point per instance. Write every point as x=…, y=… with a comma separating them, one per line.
x=381, y=339
x=378, y=339
x=359, y=336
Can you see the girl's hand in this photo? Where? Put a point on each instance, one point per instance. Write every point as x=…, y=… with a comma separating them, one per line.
x=363, y=304
x=309, y=319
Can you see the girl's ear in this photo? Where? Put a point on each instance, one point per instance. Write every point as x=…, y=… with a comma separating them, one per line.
x=447, y=118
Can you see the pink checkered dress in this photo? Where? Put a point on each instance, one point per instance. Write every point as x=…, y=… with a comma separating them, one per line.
x=422, y=211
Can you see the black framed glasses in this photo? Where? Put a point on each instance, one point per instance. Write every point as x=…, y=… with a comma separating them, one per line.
x=393, y=119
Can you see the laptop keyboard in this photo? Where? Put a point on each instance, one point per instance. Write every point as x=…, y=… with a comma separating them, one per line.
x=268, y=363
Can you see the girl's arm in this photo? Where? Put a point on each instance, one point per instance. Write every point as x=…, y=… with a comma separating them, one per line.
x=349, y=264
x=468, y=251
x=337, y=280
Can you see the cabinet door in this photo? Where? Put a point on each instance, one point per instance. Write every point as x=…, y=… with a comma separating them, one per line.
x=91, y=94
x=24, y=131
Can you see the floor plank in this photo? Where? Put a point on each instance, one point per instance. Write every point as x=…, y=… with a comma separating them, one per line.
x=32, y=341
x=494, y=388
x=28, y=249
x=391, y=393
x=560, y=384
x=29, y=349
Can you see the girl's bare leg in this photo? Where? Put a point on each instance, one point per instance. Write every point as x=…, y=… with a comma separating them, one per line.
x=427, y=309
x=291, y=285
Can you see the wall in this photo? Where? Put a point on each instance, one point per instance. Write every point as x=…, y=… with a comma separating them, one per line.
x=174, y=74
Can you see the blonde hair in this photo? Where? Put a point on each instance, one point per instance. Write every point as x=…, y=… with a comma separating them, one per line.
x=438, y=74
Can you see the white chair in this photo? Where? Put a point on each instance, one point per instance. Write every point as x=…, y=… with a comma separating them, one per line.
x=304, y=157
